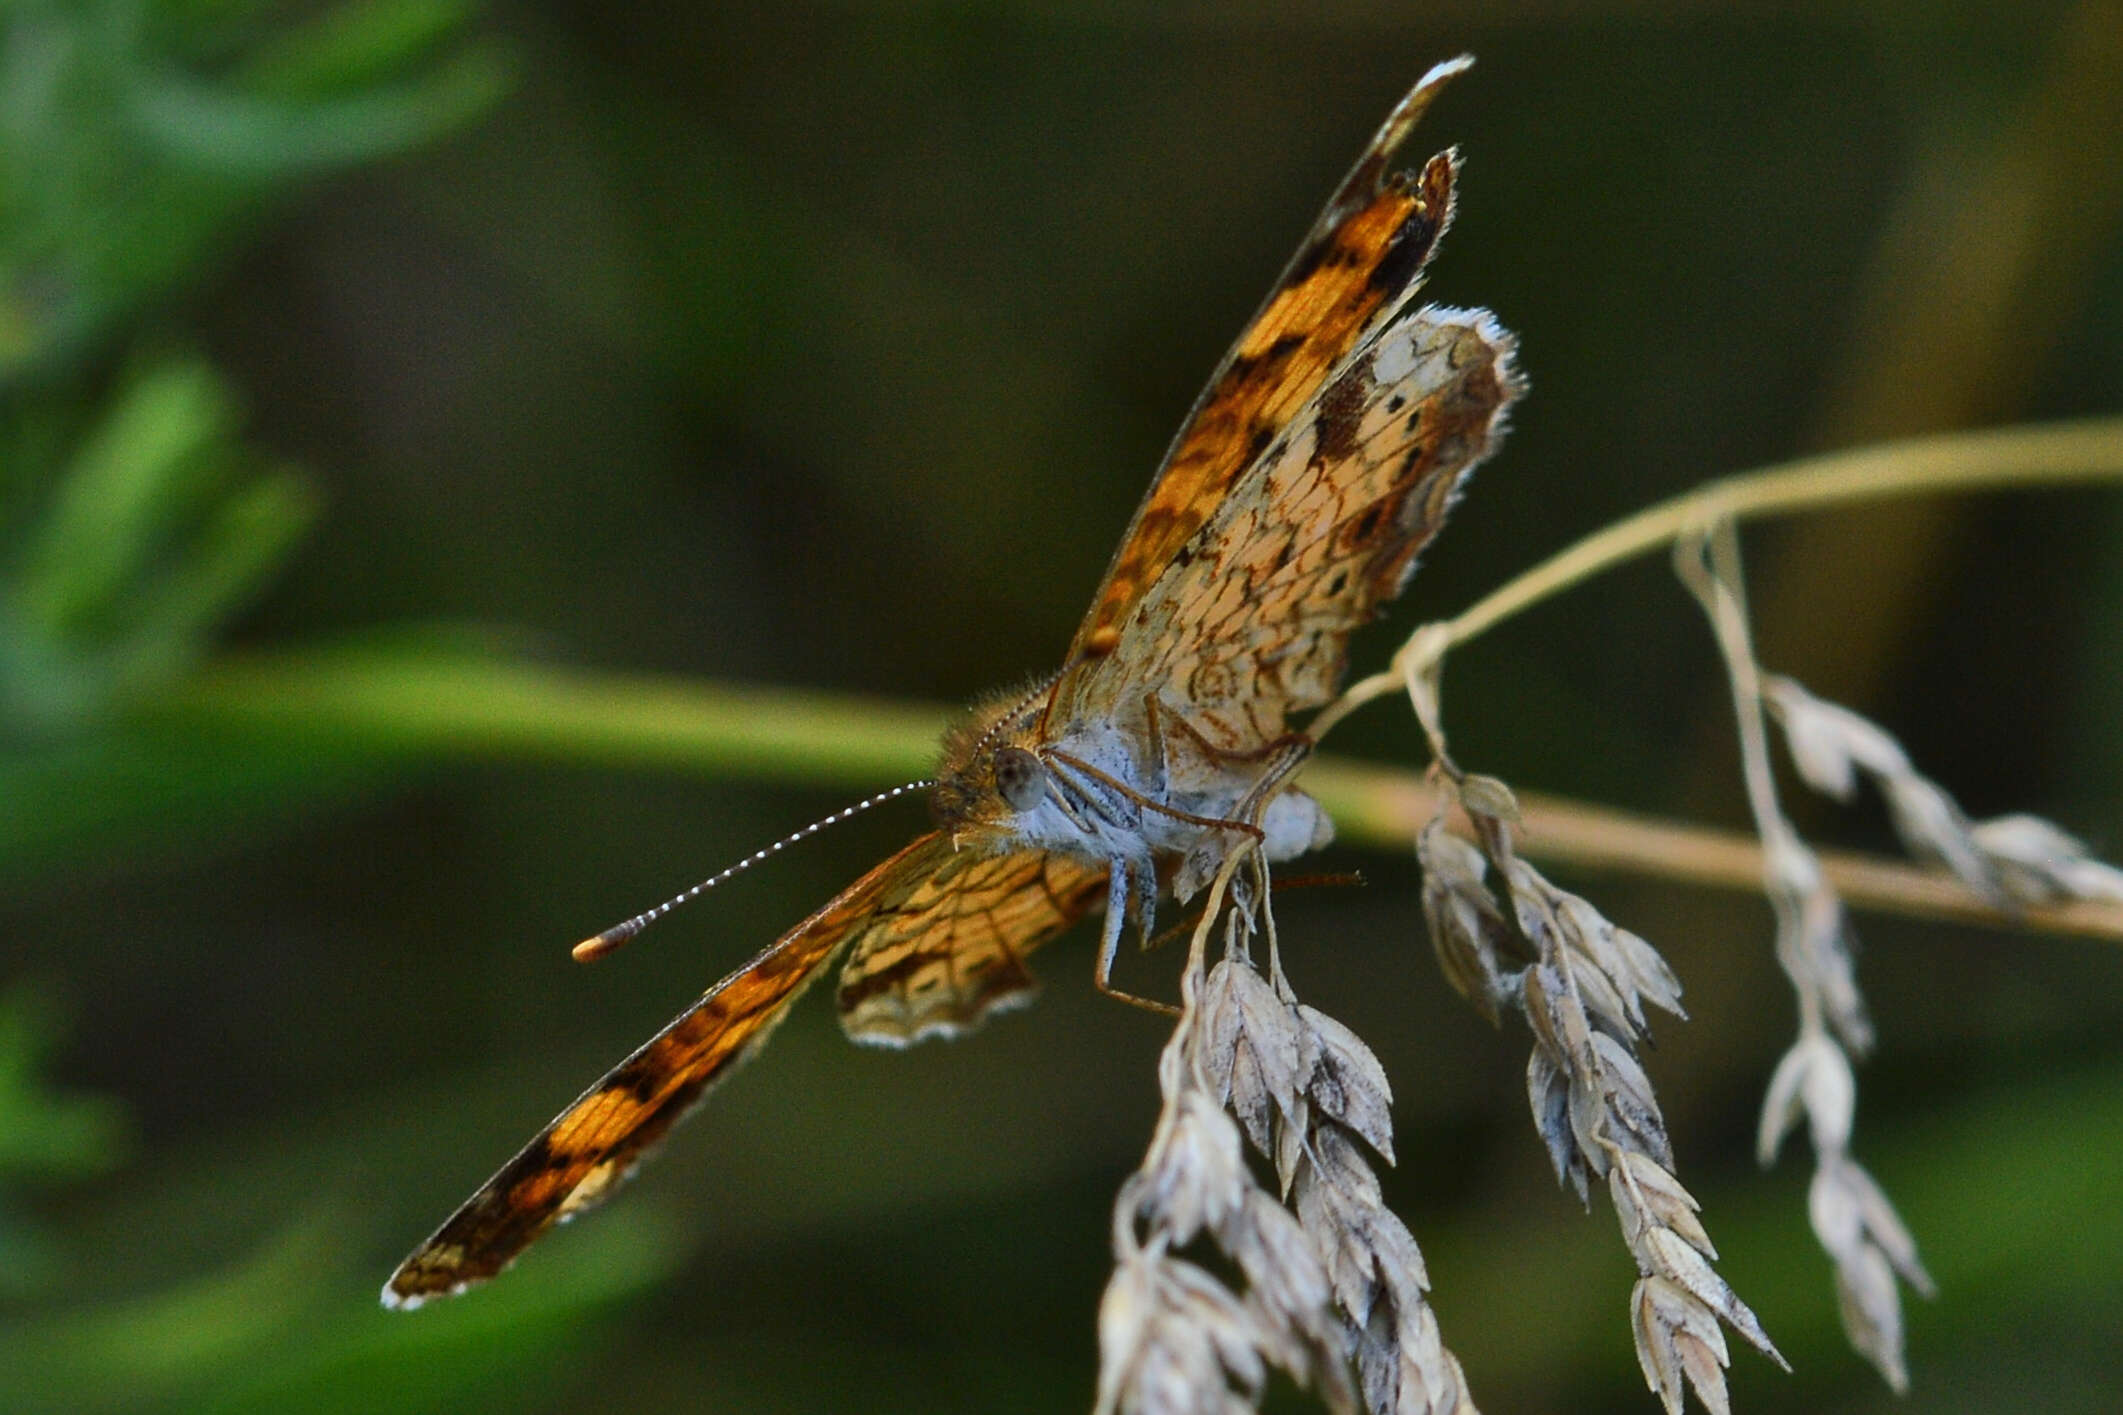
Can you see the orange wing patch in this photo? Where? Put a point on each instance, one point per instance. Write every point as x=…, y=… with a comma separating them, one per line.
x=954, y=951
x=593, y=1145
x=1361, y=260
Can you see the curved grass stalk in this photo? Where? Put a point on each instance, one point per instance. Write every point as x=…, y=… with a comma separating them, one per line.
x=2029, y=455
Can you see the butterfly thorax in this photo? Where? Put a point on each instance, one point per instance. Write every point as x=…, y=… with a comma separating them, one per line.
x=1113, y=793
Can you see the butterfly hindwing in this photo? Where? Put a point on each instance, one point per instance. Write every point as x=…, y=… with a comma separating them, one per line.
x=954, y=950
x=1252, y=622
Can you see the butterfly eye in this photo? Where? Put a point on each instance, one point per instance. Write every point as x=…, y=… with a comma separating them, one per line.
x=1019, y=778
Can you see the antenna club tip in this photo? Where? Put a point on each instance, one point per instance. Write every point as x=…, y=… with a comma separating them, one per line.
x=592, y=949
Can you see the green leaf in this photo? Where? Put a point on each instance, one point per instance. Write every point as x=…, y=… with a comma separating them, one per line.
x=48, y=1135
x=353, y=45
x=225, y=132
x=150, y=537
x=136, y=475
x=136, y=141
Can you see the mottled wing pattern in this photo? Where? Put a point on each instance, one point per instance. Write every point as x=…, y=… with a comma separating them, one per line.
x=1252, y=621
x=1321, y=458
x=593, y=1145
x=953, y=950
x=1360, y=261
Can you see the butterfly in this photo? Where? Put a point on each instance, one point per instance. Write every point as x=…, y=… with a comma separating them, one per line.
x=1289, y=510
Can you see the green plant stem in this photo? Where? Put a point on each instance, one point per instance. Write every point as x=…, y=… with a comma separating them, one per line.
x=420, y=706
x=420, y=703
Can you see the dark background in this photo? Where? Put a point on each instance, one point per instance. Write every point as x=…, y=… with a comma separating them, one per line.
x=830, y=345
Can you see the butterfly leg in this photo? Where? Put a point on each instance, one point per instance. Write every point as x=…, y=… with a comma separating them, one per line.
x=1275, y=749
x=1153, y=715
x=1130, y=897
x=1283, y=757
x=1281, y=825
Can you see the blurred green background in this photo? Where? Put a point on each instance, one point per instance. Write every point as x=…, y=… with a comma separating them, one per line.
x=830, y=345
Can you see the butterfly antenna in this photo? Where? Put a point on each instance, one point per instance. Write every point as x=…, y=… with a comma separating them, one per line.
x=1002, y=724
x=592, y=949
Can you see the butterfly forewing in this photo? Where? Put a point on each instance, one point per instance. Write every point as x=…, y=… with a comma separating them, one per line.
x=1361, y=260
x=1354, y=417
x=593, y=1145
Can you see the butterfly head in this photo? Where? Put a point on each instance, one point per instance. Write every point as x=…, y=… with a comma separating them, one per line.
x=991, y=772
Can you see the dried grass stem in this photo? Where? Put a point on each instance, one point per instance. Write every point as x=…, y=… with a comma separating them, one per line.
x=2053, y=454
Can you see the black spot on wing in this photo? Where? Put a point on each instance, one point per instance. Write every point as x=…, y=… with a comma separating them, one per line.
x=1259, y=364
x=1405, y=255
x=1341, y=413
x=1360, y=530
x=1409, y=250
x=1306, y=262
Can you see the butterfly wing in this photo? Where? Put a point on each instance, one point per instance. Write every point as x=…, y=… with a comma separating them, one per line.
x=595, y=1144
x=1361, y=259
x=1247, y=619
x=1252, y=622
x=954, y=951
x=1320, y=458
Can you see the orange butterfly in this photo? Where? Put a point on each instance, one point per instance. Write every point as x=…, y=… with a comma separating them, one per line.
x=1321, y=458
